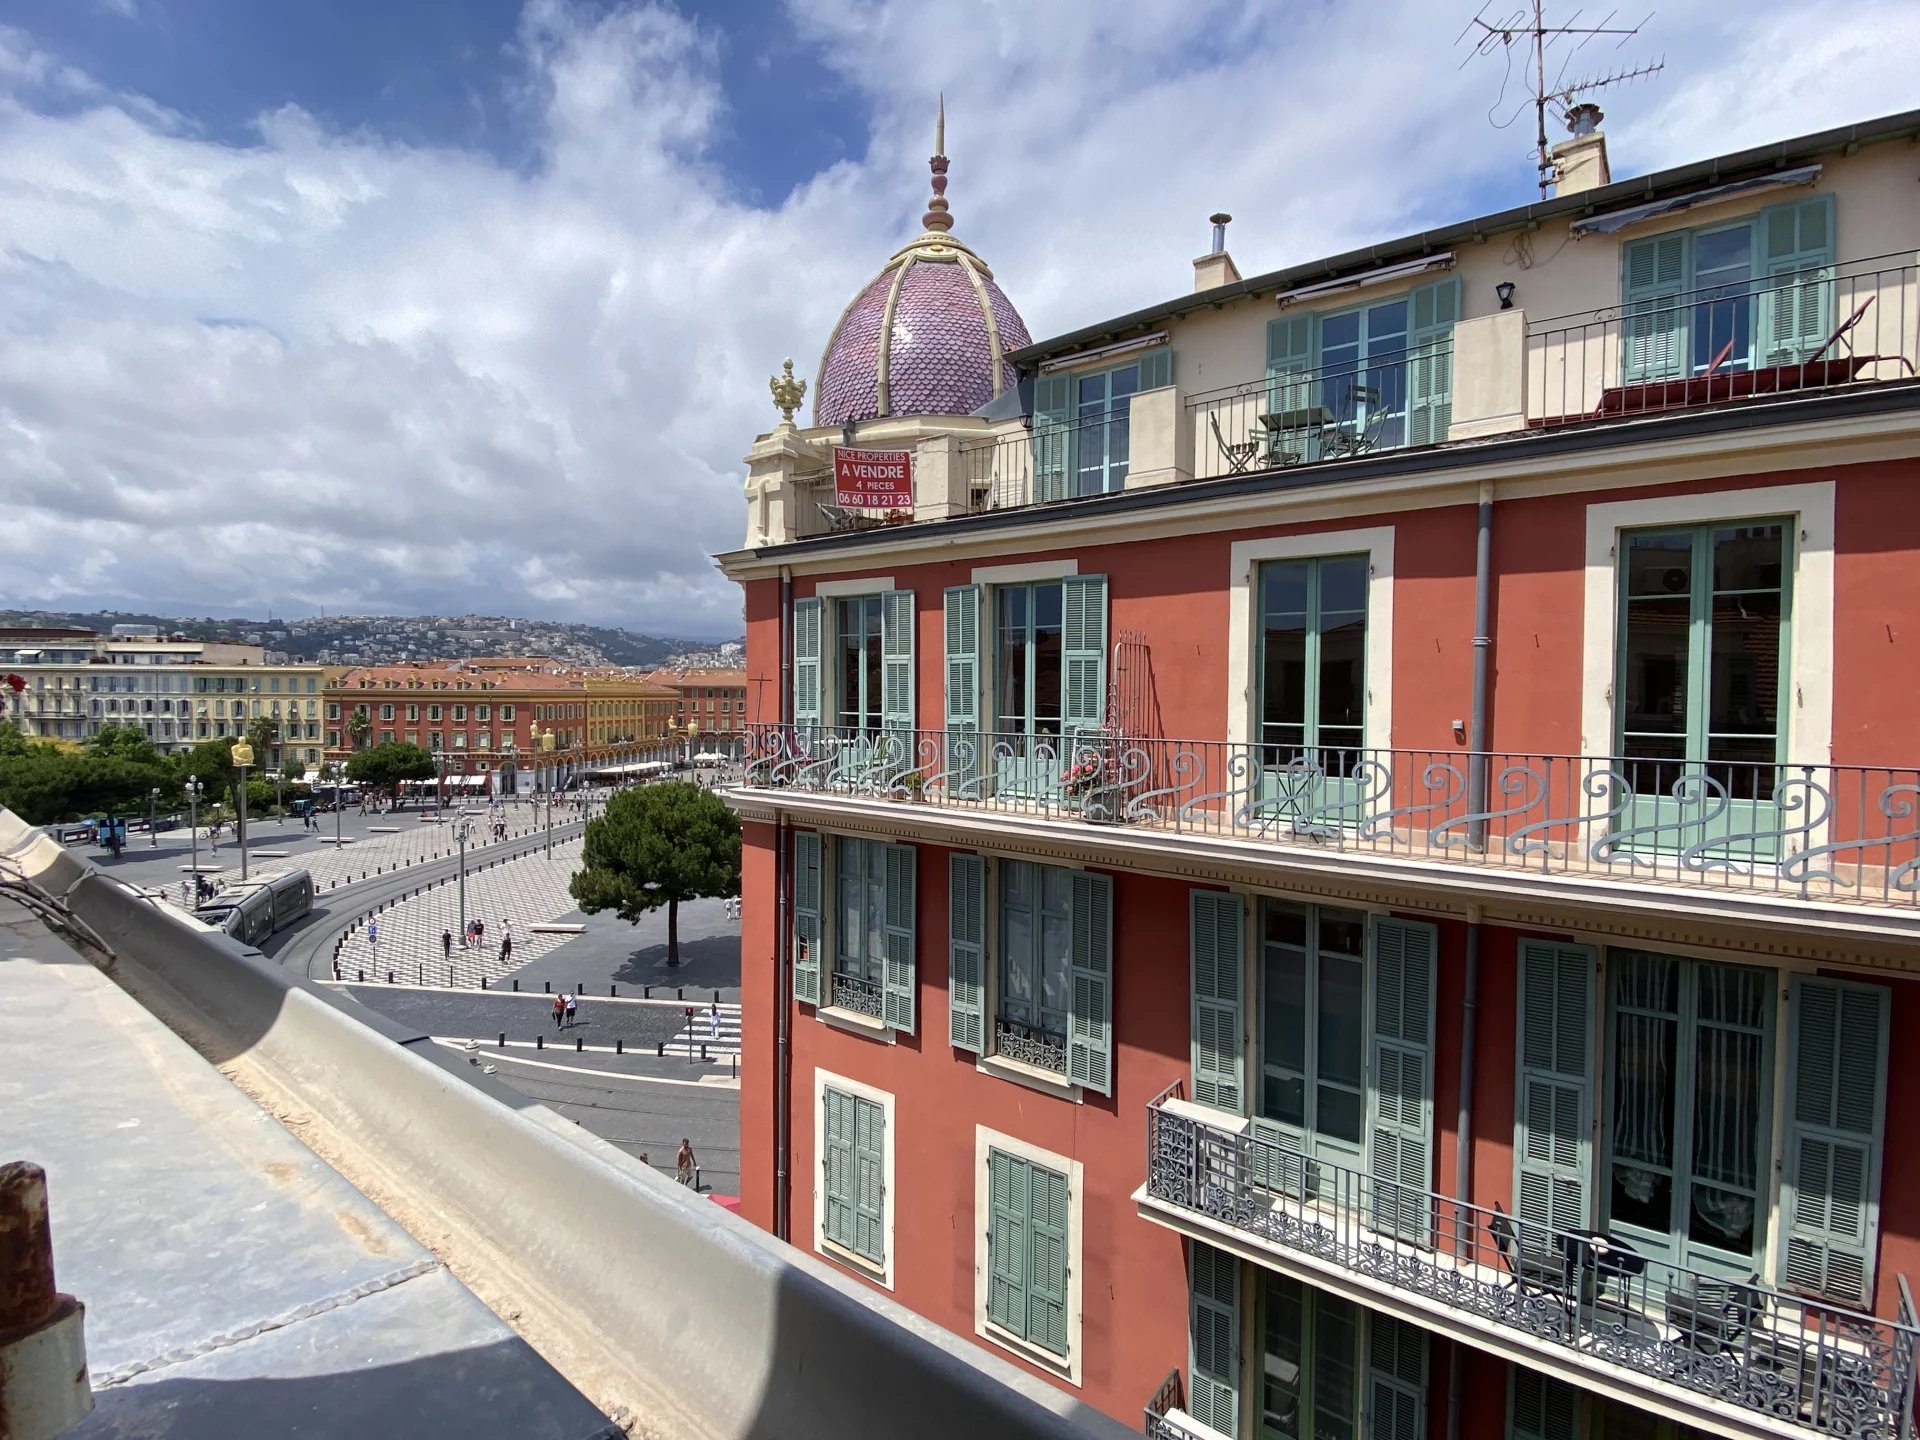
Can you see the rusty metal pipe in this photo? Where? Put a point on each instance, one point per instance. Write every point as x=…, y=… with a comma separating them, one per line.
x=44, y=1388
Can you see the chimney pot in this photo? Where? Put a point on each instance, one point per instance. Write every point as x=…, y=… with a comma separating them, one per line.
x=1219, y=220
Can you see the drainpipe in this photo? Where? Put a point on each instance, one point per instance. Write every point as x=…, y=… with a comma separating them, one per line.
x=782, y=944
x=1470, y=1000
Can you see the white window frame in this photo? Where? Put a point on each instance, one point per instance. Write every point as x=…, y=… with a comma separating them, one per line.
x=882, y=1273
x=984, y=1140
x=1243, y=576
x=1808, y=691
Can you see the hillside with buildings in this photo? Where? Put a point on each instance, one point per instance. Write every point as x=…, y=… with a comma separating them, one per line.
x=398, y=639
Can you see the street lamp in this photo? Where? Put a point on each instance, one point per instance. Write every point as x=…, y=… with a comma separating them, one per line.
x=192, y=787
x=512, y=753
x=242, y=761
x=440, y=791
x=462, y=832
x=153, y=836
x=546, y=748
x=338, y=772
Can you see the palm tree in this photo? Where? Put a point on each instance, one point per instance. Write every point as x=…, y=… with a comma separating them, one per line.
x=359, y=727
x=263, y=733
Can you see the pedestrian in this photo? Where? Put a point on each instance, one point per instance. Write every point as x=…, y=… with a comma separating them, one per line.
x=506, y=949
x=683, y=1162
x=573, y=1009
x=446, y=943
x=559, y=1010
x=713, y=1024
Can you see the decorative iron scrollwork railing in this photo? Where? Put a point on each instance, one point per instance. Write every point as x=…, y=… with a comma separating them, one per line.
x=1744, y=1344
x=1030, y=1045
x=1164, y=1409
x=1811, y=832
x=862, y=997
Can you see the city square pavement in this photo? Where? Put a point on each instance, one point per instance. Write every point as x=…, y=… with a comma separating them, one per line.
x=612, y=952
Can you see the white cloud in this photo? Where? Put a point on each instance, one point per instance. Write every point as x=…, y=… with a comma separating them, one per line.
x=324, y=369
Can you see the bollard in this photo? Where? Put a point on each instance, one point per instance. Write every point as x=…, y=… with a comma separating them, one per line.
x=613, y=992
x=419, y=974
x=660, y=1049
x=716, y=999
x=546, y=987
x=449, y=977
x=389, y=977
x=646, y=992
x=361, y=976
x=703, y=1052
x=619, y=1047
x=516, y=984
x=579, y=1045
x=735, y=1065
x=679, y=992
x=539, y=1042
x=483, y=982
x=503, y=1039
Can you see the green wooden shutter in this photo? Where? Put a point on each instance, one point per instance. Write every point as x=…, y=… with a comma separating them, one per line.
x=1217, y=927
x=1052, y=437
x=1292, y=388
x=1213, y=1336
x=1435, y=307
x=806, y=916
x=1083, y=652
x=1795, y=246
x=1404, y=955
x=898, y=985
x=1156, y=368
x=1090, y=1022
x=1653, y=323
x=1047, y=1267
x=837, y=1167
x=896, y=667
x=1541, y=1408
x=1552, y=1119
x=808, y=628
x=966, y=952
x=1836, y=1083
x=1008, y=1190
x=964, y=760
x=868, y=1155
x=1396, y=1379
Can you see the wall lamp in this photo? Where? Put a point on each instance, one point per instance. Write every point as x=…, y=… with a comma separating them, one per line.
x=1505, y=291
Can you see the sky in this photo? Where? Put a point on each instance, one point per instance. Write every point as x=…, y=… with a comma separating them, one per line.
x=436, y=308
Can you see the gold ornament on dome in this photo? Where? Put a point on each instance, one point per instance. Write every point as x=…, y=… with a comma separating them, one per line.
x=788, y=392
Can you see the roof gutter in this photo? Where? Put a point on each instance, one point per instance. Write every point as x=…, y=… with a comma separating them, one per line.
x=1719, y=170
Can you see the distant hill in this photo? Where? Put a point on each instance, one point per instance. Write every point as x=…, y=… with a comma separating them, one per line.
x=395, y=639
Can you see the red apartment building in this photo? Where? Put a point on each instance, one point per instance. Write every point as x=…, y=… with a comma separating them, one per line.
x=1349, y=869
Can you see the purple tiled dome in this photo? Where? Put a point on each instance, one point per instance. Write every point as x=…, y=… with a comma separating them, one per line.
x=943, y=354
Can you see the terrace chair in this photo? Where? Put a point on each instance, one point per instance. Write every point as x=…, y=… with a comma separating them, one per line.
x=1540, y=1285
x=1859, y=362
x=1238, y=453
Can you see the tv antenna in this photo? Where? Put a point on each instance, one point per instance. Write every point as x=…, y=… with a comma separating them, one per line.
x=1528, y=26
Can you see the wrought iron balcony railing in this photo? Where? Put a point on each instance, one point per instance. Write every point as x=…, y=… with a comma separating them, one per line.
x=1823, y=328
x=1829, y=833
x=1292, y=416
x=1050, y=459
x=1164, y=1411
x=862, y=997
x=1740, y=1344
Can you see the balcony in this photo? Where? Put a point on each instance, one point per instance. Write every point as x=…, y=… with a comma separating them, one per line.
x=1827, y=834
x=1805, y=333
x=1737, y=1358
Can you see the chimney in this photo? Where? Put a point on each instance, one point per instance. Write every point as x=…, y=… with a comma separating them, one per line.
x=1216, y=267
x=1581, y=163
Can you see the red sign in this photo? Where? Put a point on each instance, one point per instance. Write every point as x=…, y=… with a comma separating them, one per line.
x=873, y=479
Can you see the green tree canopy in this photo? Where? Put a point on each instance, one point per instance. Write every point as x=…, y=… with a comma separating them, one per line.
x=44, y=783
x=37, y=783
x=383, y=767
x=124, y=742
x=658, y=845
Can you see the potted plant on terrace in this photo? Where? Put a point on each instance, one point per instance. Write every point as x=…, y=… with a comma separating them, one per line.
x=1093, y=780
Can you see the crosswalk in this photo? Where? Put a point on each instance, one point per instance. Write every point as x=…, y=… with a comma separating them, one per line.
x=721, y=1040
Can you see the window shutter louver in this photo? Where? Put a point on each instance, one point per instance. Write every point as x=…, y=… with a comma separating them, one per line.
x=962, y=685
x=1217, y=922
x=966, y=952
x=1396, y=1379
x=898, y=982
x=1052, y=437
x=1541, y=1408
x=1083, y=653
x=838, y=1166
x=1653, y=324
x=808, y=671
x=869, y=1179
x=1047, y=1272
x=1007, y=1193
x=1552, y=1115
x=1795, y=246
x=1435, y=307
x=806, y=916
x=1836, y=1087
x=1404, y=956
x=896, y=669
x=1090, y=1023
x=1213, y=1335
x=1156, y=368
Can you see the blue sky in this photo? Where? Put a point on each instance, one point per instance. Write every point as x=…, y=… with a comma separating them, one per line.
x=471, y=305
